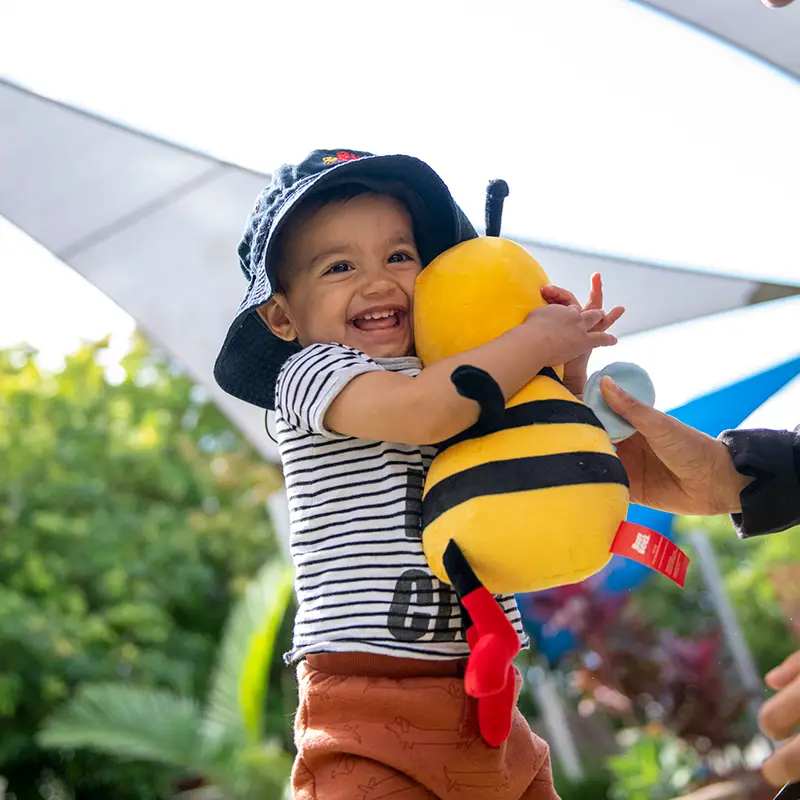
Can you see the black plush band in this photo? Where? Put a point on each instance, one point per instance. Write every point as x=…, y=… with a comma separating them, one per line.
x=521, y=475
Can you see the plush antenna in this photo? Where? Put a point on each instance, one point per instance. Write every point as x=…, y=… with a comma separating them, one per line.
x=496, y=193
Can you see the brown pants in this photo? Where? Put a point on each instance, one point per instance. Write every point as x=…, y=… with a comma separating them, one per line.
x=372, y=727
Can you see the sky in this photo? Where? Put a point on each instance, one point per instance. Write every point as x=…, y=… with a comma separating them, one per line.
x=618, y=130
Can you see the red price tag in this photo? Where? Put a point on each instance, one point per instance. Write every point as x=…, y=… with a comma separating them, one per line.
x=651, y=549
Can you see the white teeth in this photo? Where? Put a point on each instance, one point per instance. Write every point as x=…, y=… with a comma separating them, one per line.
x=378, y=315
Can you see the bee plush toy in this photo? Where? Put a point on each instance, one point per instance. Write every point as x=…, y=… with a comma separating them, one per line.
x=533, y=495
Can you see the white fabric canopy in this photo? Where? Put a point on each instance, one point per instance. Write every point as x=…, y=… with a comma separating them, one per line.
x=154, y=226
x=709, y=353
x=770, y=34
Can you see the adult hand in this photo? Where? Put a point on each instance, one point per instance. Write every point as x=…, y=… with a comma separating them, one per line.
x=779, y=719
x=671, y=466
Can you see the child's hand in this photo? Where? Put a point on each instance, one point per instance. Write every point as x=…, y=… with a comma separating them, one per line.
x=563, y=333
x=575, y=368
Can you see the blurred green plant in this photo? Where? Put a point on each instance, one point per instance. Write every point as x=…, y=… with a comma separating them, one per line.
x=132, y=516
x=745, y=568
x=655, y=765
x=662, y=658
x=221, y=746
x=595, y=784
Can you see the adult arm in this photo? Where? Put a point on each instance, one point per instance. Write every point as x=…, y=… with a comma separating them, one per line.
x=752, y=475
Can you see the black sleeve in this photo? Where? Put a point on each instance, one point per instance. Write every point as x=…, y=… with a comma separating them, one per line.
x=771, y=502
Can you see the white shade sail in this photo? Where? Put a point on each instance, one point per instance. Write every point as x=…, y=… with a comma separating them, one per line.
x=769, y=34
x=154, y=226
x=694, y=358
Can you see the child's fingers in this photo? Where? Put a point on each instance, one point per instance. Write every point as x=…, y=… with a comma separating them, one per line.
x=595, y=292
x=601, y=339
x=591, y=318
x=559, y=296
x=609, y=319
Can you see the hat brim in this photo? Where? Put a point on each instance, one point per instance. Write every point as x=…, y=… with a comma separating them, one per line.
x=251, y=356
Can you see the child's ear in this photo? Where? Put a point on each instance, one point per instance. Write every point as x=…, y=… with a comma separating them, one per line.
x=275, y=313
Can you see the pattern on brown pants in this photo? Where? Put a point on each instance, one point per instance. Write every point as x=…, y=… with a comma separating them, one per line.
x=407, y=738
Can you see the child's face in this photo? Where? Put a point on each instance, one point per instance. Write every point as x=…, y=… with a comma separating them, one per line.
x=350, y=269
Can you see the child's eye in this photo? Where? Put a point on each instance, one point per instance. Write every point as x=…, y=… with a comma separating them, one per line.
x=338, y=268
x=400, y=257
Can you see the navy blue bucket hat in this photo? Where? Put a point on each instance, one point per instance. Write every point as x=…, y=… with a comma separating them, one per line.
x=251, y=357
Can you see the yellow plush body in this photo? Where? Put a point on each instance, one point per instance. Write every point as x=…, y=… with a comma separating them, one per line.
x=520, y=540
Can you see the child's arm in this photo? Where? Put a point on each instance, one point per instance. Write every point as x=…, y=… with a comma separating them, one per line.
x=426, y=409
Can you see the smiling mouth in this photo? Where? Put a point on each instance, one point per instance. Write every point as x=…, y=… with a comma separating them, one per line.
x=383, y=320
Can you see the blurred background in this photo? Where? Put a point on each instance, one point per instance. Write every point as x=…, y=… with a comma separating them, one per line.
x=144, y=599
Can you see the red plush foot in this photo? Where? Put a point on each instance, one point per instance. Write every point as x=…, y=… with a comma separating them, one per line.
x=493, y=644
x=496, y=712
x=488, y=665
x=486, y=614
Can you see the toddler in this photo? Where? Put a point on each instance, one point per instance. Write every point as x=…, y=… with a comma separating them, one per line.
x=325, y=338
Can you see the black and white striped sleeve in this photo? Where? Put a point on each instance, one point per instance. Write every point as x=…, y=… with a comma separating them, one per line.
x=310, y=381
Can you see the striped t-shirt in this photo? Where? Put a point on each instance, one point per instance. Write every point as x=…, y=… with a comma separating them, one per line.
x=362, y=581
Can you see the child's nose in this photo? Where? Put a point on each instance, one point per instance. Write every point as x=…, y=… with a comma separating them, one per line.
x=379, y=283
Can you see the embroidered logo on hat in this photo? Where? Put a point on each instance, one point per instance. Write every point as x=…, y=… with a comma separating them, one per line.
x=342, y=155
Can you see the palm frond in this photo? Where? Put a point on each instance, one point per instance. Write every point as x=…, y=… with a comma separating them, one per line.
x=130, y=723
x=268, y=770
x=236, y=699
x=235, y=771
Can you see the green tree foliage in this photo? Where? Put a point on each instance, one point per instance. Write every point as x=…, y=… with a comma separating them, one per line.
x=745, y=566
x=131, y=517
x=222, y=743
